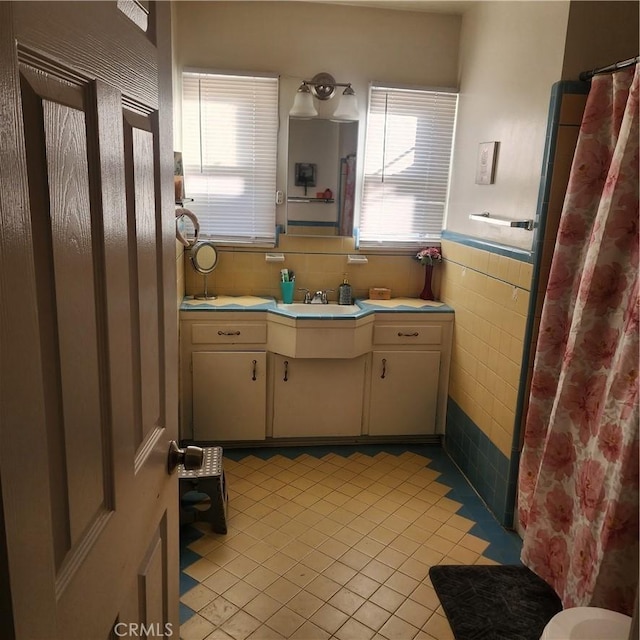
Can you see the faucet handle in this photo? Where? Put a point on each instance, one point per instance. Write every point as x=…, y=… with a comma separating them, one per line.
x=324, y=295
x=307, y=294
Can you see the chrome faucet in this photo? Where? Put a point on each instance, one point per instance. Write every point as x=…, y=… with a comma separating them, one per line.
x=319, y=297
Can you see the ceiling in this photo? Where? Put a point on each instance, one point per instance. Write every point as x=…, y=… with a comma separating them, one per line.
x=431, y=6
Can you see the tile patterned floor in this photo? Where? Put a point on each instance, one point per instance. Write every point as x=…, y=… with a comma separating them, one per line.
x=334, y=543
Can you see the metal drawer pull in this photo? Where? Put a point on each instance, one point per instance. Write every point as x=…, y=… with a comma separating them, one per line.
x=286, y=371
x=384, y=368
x=415, y=334
x=228, y=333
x=254, y=362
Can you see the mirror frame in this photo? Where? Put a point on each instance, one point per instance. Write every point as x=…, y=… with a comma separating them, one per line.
x=195, y=250
x=346, y=139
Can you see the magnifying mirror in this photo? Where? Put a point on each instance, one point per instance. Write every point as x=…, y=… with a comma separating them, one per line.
x=204, y=259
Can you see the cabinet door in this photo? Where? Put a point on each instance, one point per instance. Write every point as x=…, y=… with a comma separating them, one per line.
x=229, y=395
x=316, y=397
x=404, y=392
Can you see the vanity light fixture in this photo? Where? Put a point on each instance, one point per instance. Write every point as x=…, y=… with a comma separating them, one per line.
x=323, y=87
x=303, y=104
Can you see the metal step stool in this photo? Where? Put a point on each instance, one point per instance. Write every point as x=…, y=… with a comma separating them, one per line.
x=208, y=480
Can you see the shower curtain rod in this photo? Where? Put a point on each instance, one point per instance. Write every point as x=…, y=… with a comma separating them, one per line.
x=587, y=75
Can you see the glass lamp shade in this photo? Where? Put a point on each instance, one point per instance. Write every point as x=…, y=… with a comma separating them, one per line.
x=347, y=109
x=303, y=106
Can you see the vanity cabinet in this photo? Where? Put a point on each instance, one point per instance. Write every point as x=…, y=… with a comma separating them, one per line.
x=409, y=373
x=317, y=397
x=223, y=376
x=229, y=395
x=255, y=375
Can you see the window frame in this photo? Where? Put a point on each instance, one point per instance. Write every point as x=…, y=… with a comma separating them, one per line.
x=261, y=228
x=387, y=243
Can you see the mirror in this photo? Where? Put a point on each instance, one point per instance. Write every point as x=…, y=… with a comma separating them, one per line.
x=321, y=177
x=204, y=259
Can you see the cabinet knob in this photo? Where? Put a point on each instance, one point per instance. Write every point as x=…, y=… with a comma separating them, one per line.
x=384, y=368
x=286, y=371
x=415, y=334
x=228, y=333
x=255, y=364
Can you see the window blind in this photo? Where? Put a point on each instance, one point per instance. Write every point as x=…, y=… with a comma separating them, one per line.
x=407, y=162
x=229, y=153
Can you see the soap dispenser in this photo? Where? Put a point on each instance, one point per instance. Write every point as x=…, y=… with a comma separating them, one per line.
x=344, y=292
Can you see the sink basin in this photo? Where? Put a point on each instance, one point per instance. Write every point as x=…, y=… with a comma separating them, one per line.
x=331, y=309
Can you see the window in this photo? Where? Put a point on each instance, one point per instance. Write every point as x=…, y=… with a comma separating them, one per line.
x=229, y=152
x=406, y=166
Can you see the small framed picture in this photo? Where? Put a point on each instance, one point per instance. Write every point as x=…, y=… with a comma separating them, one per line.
x=486, y=167
x=305, y=174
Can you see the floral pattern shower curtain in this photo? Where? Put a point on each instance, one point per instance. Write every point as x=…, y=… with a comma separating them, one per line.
x=348, y=195
x=578, y=484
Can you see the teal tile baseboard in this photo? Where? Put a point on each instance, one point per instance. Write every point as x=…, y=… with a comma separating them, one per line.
x=484, y=465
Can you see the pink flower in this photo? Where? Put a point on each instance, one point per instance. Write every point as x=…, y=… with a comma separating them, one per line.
x=610, y=441
x=590, y=171
x=549, y=555
x=560, y=455
x=583, y=399
x=553, y=335
x=528, y=475
x=561, y=278
x=623, y=228
x=590, y=488
x=429, y=256
x=573, y=229
x=584, y=560
x=599, y=344
x=625, y=384
x=560, y=509
x=605, y=285
x=536, y=426
x=543, y=385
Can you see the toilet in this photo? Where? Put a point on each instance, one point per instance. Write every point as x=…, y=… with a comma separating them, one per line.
x=587, y=623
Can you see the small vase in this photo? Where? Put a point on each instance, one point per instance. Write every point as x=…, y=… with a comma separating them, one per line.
x=427, y=292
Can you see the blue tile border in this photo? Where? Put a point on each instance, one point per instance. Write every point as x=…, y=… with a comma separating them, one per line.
x=483, y=464
x=187, y=557
x=186, y=582
x=487, y=245
x=504, y=545
x=186, y=613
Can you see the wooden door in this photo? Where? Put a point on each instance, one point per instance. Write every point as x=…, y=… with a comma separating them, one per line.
x=317, y=397
x=404, y=392
x=229, y=395
x=88, y=337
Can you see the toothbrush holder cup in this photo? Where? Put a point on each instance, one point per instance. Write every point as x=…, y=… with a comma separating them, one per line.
x=287, y=288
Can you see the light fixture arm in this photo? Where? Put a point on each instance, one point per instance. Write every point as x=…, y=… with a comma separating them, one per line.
x=323, y=85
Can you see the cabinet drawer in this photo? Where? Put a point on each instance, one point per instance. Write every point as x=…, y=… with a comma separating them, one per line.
x=232, y=333
x=407, y=334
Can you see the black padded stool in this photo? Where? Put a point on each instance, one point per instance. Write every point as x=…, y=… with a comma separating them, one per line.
x=208, y=480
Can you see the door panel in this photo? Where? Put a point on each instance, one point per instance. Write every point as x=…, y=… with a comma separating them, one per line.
x=88, y=375
x=404, y=392
x=229, y=395
x=144, y=269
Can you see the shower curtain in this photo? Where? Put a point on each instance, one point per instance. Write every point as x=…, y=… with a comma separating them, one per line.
x=578, y=483
x=348, y=194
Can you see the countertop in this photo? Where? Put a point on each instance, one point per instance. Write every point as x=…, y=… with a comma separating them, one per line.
x=258, y=303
